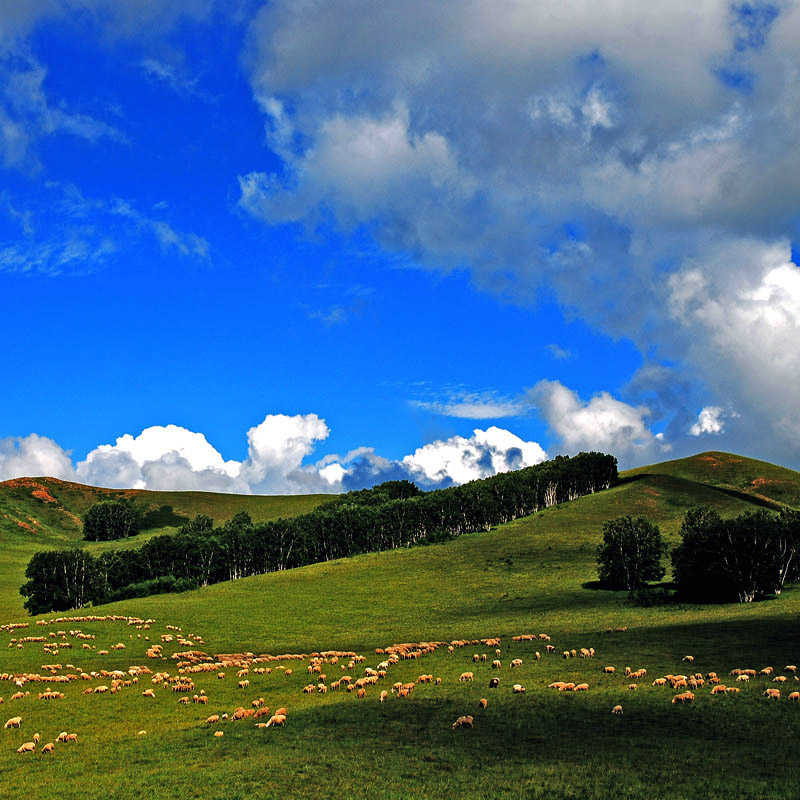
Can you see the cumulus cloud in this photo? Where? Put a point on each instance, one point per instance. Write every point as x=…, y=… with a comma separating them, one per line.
x=459, y=459
x=34, y=456
x=710, y=420
x=743, y=325
x=170, y=457
x=603, y=423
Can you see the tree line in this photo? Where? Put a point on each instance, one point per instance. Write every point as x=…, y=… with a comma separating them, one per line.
x=743, y=559
x=391, y=515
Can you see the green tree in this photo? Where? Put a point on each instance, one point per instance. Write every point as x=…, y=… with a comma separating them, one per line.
x=631, y=553
x=742, y=559
x=117, y=519
x=59, y=580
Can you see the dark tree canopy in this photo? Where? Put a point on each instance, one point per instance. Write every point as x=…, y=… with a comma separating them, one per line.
x=117, y=519
x=631, y=553
x=742, y=559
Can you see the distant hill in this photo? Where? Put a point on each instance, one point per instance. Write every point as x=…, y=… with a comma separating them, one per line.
x=758, y=480
x=53, y=509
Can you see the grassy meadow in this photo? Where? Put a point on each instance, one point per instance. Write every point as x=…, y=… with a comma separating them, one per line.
x=535, y=575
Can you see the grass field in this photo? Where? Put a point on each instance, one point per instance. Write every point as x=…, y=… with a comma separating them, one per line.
x=531, y=576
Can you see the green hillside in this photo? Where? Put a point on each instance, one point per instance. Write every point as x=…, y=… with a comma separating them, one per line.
x=531, y=576
x=39, y=513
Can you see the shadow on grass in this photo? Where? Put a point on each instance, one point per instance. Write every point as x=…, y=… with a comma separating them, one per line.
x=163, y=517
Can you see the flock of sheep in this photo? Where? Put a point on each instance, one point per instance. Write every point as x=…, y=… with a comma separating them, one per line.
x=181, y=663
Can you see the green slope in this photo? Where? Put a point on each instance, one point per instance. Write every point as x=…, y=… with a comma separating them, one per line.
x=475, y=585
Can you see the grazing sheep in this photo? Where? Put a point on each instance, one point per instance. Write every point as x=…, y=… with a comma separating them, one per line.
x=743, y=677
x=466, y=676
x=463, y=722
x=14, y=722
x=795, y=696
x=688, y=659
x=148, y=693
x=779, y=679
x=720, y=688
x=790, y=668
x=518, y=688
x=212, y=719
x=616, y=710
x=517, y=662
x=497, y=664
x=632, y=687
x=767, y=671
x=219, y=733
x=609, y=670
x=220, y=675
x=683, y=697
x=277, y=719
x=660, y=682
x=26, y=747
x=384, y=696
x=362, y=692
x=48, y=748
x=72, y=737
x=582, y=687
x=733, y=690
x=483, y=702
x=62, y=737
x=243, y=684
x=494, y=683
x=773, y=694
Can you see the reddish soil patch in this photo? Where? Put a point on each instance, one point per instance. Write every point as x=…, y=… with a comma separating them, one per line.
x=652, y=492
x=25, y=526
x=761, y=481
x=43, y=495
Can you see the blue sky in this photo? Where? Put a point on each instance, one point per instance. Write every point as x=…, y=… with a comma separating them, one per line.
x=284, y=247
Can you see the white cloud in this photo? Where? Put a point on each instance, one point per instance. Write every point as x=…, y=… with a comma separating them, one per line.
x=603, y=423
x=739, y=312
x=169, y=457
x=461, y=459
x=277, y=448
x=472, y=405
x=34, y=456
x=168, y=445
x=710, y=420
